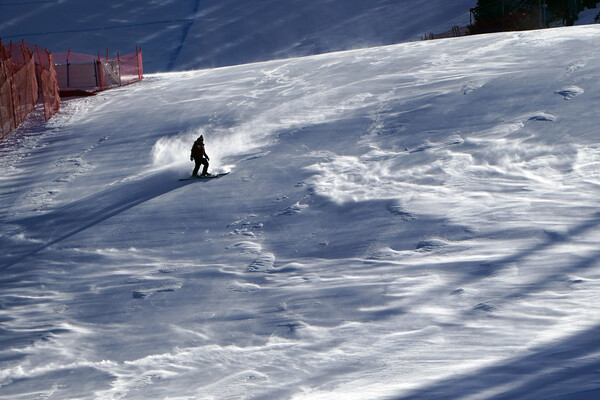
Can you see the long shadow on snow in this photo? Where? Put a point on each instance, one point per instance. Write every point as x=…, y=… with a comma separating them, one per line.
x=186, y=29
x=61, y=224
x=477, y=270
x=551, y=241
x=534, y=376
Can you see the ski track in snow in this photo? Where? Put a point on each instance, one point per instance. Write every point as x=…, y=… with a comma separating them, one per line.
x=416, y=221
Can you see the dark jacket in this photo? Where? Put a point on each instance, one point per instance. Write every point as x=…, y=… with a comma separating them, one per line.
x=198, y=150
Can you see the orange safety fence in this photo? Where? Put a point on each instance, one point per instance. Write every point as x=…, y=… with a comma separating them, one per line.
x=132, y=68
x=18, y=86
x=78, y=73
x=26, y=72
x=48, y=82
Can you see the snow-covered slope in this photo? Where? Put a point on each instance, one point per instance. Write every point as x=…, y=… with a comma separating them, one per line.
x=417, y=221
x=192, y=34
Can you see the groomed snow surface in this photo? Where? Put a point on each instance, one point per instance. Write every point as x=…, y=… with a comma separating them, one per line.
x=418, y=221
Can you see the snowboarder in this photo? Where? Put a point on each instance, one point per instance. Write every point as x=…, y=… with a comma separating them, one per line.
x=199, y=156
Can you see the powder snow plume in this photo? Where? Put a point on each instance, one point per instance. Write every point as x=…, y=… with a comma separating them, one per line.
x=174, y=151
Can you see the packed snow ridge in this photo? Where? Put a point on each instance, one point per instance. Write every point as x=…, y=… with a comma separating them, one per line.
x=417, y=221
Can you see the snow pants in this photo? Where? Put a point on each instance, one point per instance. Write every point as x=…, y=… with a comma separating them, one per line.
x=200, y=161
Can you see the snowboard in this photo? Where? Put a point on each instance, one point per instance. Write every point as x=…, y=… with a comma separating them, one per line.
x=200, y=177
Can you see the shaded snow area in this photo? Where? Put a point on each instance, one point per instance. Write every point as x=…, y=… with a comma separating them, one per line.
x=191, y=34
x=418, y=221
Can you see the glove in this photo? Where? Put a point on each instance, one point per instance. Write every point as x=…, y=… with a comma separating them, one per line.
x=191, y=158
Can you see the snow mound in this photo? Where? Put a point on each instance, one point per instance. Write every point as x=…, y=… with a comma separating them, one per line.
x=570, y=92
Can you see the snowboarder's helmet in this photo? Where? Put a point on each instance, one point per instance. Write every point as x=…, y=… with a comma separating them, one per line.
x=201, y=138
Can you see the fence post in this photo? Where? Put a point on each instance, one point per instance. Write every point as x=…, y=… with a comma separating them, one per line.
x=55, y=106
x=23, y=49
x=11, y=84
x=99, y=74
x=37, y=49
x=119, y=65
x=137, y=59
x=95, y=63
x=68, y=74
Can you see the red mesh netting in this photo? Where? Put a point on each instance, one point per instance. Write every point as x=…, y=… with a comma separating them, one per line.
x=78, y=71
x=48, y=83
x=18, y=86
x=62, y=57
x=132, y=69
